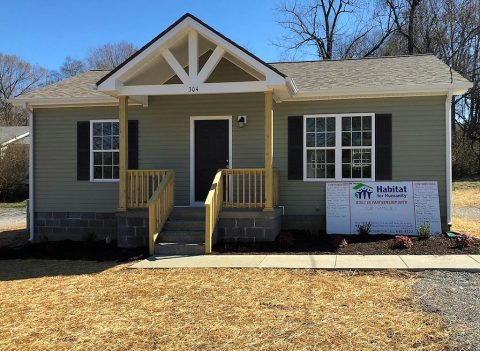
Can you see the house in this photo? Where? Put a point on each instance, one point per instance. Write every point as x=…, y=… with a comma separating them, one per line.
x=194, y=139
x=16, y=135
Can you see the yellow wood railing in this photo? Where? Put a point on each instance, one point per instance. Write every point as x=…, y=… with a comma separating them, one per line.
x=276, y=187
x=244, y=188
x=160, y=205
x=213, y=205
x=141, y=184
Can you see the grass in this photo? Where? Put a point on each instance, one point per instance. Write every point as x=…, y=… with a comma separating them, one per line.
x=16, y=204
x=51, y=305
x=466, y=194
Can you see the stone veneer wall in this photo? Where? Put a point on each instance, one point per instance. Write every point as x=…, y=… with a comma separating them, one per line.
x=75, y=225
x=248, y=225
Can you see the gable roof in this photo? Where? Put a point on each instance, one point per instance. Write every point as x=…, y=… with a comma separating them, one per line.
x=9, y=133
x=175, y=24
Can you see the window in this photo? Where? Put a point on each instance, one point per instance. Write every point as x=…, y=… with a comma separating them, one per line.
x=339, y=147
x=104, y=145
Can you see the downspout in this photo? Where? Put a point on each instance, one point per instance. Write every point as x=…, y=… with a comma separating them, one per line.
x=448, y=136
x=31, y=177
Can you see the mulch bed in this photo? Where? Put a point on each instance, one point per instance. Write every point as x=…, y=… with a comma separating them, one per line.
x=73, y=250
x=321, y=244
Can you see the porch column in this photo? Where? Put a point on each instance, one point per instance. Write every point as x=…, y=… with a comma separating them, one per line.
x=268, y=151
x=123, y=151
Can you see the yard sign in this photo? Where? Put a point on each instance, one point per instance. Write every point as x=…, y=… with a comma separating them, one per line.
x=391, y=207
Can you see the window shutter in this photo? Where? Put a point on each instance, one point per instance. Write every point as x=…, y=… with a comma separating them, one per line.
x=295, y=148
x=83, y=150
x=383, y=147
x=132, y=144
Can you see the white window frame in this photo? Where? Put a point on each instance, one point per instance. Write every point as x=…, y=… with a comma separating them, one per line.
x=92, y=179
x=338, y=147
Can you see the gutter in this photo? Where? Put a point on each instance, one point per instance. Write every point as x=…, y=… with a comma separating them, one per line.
x=448, y=153
x=31, y=177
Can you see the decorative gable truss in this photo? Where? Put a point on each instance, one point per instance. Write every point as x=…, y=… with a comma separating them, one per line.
x=191, y=58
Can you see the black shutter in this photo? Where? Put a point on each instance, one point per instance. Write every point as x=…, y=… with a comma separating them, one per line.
x=295, y=148
x=132, y=144
x=383, y=147
x=83, y=150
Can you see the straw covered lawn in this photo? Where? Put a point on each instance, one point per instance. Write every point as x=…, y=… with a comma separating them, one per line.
x=74, y=305
x=466, y=195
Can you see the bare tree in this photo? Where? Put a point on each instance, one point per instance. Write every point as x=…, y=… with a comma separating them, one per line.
x=72, y=67
x=109, y=56
x=334, y=28
x=404, y=14
x=16, y=77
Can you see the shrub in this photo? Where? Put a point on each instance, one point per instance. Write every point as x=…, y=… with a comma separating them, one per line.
x=285, y=239
x=463, y=241
x=13, y=172
x=364, y=229
x=402, y=242
x=424, y=231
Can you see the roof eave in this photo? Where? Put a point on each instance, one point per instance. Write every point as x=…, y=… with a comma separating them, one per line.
x=457, y=88
x=65, y=102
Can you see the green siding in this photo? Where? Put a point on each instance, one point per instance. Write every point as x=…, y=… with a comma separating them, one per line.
x=418, y=126
x=164, y=142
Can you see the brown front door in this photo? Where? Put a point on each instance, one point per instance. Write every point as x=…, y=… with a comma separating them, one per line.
x=211, y=153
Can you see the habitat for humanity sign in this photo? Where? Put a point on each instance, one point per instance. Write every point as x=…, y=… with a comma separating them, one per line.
x=391, y=207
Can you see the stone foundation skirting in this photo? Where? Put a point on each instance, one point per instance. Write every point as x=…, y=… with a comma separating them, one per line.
x=132, y=228
x=249, y=225
x=75, y=226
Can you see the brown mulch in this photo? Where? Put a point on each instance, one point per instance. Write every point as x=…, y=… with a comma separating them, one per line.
x=303, y=243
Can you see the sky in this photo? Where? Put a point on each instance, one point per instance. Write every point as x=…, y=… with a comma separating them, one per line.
x=44, y=32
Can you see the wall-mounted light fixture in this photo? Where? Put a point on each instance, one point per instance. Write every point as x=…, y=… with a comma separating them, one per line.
x=242, y=121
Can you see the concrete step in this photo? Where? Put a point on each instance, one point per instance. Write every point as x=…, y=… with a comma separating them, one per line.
x=191, y=236
x=184, y=225
x=188, y=213
x=176, y=248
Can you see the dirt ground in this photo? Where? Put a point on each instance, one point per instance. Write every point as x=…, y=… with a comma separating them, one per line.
x=75, y=305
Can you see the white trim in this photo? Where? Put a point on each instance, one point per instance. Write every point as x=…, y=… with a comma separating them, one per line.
x=186, y=89
x=458, y=88
x=448, y=153
x=338, y=147
x=31, y=178
x=192, y=151
x=69, y=102
x=92, y=179
x=192, y=54
x=177, y=67
x=188, y=24
x=210, y=65
x=17, y=138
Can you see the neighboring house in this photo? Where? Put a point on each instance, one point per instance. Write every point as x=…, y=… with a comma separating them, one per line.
x=17, y=135
x=116, y=151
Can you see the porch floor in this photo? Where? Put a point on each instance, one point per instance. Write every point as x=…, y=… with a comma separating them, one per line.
x=465, y=263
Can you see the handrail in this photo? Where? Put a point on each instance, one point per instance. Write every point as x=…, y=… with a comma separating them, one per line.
x=213, y=205
x=160, y=205
x=276, y=188
x=244, y=187
x=141, y=184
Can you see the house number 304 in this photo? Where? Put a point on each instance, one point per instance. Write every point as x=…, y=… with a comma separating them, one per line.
x=193, y=89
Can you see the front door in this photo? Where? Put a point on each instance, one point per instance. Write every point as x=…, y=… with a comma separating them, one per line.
x=211, y=153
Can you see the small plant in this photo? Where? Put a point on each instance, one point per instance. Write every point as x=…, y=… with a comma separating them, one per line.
x=423, y=231
x=463, y=241
x=364, y=229
x=338, y=242
x=285, y=239
x=402, y=242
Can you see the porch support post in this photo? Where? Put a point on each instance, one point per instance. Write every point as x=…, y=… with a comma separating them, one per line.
x=268, y=151
x=123, y=151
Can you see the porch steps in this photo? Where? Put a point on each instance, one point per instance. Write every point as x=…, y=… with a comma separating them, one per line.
x=184, y=233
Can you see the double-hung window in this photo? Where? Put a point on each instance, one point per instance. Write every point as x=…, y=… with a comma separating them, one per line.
x=339, y=147
x=104, y=146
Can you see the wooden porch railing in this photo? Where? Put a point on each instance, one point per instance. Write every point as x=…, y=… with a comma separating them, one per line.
x=141, y=184
x=160, y=205
x=213, y=205
x=236, y=188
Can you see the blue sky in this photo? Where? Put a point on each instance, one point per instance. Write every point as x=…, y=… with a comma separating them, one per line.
x=43, y=32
